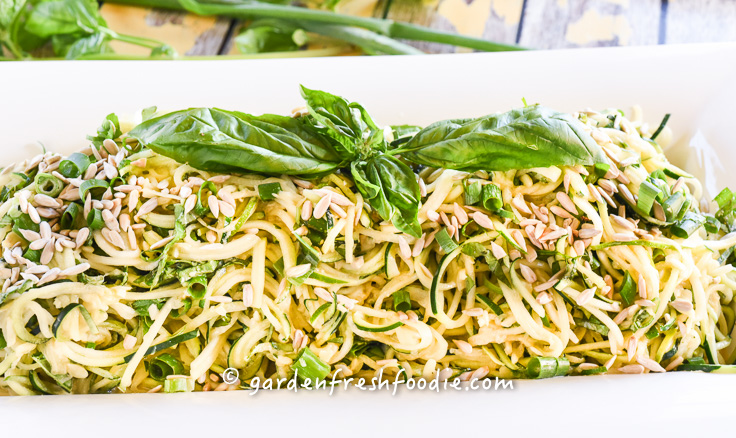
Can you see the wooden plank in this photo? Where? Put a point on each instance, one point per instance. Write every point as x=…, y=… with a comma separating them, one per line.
x=590, y=23
x=697, y=21
x=187, y=34
x=496, y=20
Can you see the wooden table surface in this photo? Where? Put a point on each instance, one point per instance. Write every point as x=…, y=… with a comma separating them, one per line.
x=539, y=24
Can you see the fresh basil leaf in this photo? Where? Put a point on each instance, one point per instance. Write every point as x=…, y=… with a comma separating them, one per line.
x=110, y=129
x=65, y=17
x=263, y=36
x=390, y=187
x=523, y=138
x=346, y=122
x=227, y=141
x=71, y=47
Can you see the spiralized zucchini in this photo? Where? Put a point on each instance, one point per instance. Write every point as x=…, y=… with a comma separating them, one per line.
x=162, y=276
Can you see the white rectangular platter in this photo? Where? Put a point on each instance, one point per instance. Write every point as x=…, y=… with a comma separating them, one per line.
x=58, y=103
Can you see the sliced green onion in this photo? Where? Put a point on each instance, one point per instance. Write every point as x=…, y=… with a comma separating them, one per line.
x=491, y=197
x=673, y=205
x=3, y=342
x=308, y=365
x=402, y=301
x=94, y=220
x=47, y=184
x=724, y=198
x=267, y=192
x=94, y=186
x=660, y=127
x=179, y=384
x=688, y=225
x=647, y=194
x=546, y=367
x=505, y=214
x=490, y=304
x=69, y=217
x=712, y=225
x=197, y=287
x=446, y=243
x=75, y=165
x=628, y=290
x=164, y=366
x=472, y=193
x=601, y=169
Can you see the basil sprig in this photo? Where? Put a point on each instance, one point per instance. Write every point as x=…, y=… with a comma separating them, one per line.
x=523, y=138
x=338, y=134
x=228, y=141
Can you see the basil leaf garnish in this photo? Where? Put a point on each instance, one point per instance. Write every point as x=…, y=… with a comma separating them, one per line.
x=391, y=188
x=522, y=138
x=228, y=141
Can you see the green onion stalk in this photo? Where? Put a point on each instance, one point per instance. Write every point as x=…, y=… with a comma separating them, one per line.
x=374, y=35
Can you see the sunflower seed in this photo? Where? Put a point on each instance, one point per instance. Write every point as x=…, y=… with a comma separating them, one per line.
x=626, y=193
x=642, y=287
x=566, y=203
x=404, y=248
x=463, y=346
x=48, y=252
x=433, y=215
x=30, y=235
x=519, y=238
x=185, y=191
x=226, y=209
x=46, y=201
x=51, y=275
x=35, y=270
x=190, y=203
x=588, y=233
x=543, y=298
x=682, y=306
x=650, y=364
x=579, y=247
x=124, y=221
x=338, y=210
x=110, y=221
x=520, y=205
x=658, y=211
x=33, y=213
x=219, y=179
x=113, y=237
x=147, y=207
x=608, y=186
x=497, y=251
x=82, y=236
x=483, y=220
x=528, y=274
x=133, y=200
x=8, y=256
x=160, y=243
x=566, y=182
x=594, y=193
x=132, y=239
x=678, y=184
x=321, y=208
x=418, y=246
x=460, y=214
x=422, y=187
x=298, y=270
x=561, y=212
x=585, y=296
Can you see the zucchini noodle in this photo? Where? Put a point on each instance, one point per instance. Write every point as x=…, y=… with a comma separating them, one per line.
x=186, y=273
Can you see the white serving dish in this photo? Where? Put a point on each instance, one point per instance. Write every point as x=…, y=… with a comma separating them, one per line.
x=57, y=103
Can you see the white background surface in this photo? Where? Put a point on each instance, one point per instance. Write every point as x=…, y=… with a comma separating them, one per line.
x=57, y=103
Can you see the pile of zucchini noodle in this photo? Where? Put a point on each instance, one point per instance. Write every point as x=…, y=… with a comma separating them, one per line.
x=279, y=275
